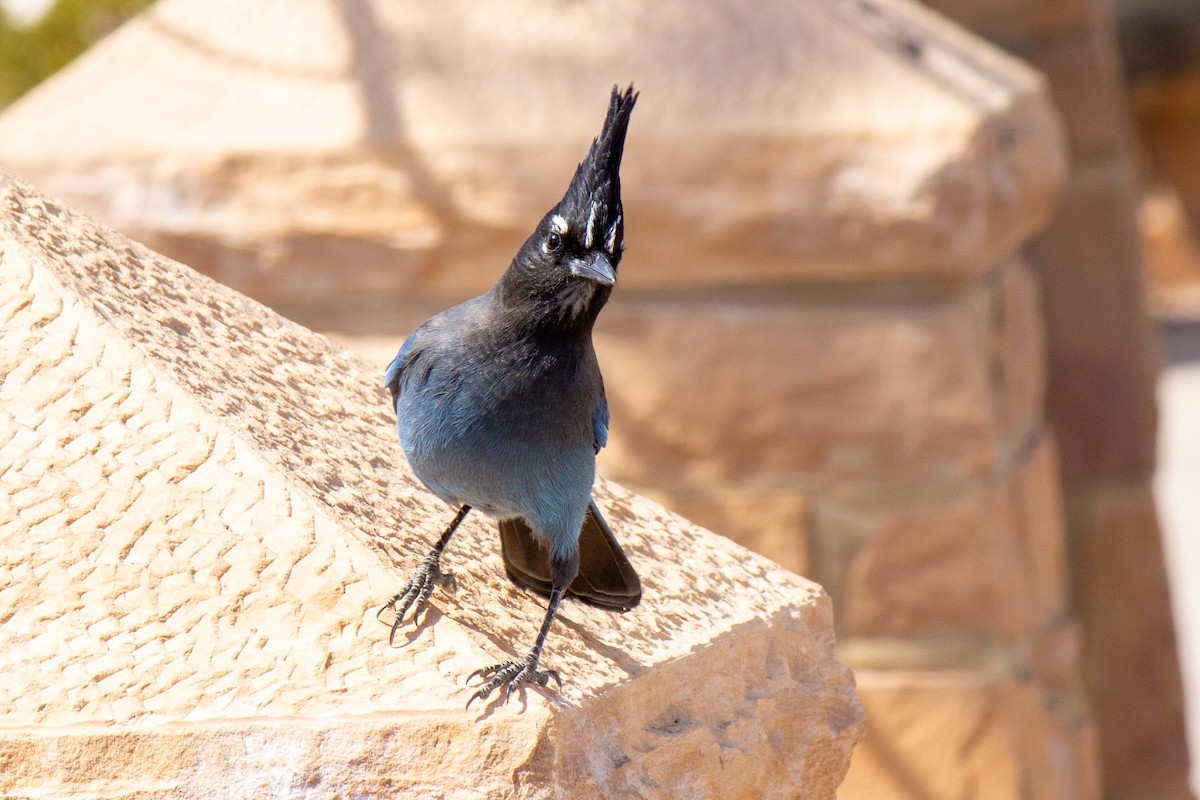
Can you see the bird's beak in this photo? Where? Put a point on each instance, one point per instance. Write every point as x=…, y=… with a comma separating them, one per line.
x=595, y=268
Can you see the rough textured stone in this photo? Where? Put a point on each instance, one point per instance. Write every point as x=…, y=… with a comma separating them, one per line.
x=977, y=734
x=820, y=224
x=205, y=506
x=379, y=146
x=771, y=520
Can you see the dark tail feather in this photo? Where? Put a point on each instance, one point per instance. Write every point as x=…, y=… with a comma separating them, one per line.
x=605, y=579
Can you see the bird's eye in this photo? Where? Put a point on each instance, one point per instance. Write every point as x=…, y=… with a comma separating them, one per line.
x=553, y=241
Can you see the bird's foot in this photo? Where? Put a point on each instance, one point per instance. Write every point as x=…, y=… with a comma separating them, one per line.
x=415, y=595
x=512, y=675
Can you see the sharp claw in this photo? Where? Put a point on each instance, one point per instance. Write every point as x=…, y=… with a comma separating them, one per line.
x=389, y=604
x=512, y=676
x=483, y=672
x=415, y=596
x=395, y=627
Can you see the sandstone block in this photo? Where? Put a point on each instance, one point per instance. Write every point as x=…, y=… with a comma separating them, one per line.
x=1100, y=397
x=1083, y=71
x=771, y=521
x=1101, y=401
x=978, y=734
x=1017, y=359
x=1056, y=655
x=391, y=147
x=207, y=506
x=803, y=387
x=990, y=560
x=1004, y=18
x=1130, y=664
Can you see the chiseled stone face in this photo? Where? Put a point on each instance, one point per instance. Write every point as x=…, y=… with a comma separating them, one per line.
x=968, y=733
x=990, y=562
x=405, y=147
x=204, y=507
x=800, y=388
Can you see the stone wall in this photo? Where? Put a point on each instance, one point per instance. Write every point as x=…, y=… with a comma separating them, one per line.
x=205, y=506
x=825, y=342
x=1101, y=393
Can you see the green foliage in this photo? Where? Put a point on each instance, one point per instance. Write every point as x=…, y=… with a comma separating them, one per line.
x=29, y=55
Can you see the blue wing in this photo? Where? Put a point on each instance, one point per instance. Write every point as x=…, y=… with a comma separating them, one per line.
x=600, y=424
x=395, y=370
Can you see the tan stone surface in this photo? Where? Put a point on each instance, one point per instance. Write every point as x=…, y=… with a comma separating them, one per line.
x=968, y=734
x=1083, y=71
x=285, y=143
x=807, y=387
x=1004, y=18
x=988, y=561
x=205, y=506
x=1102, y=365
x=1130, y=664
x=770, y=520
x=1017, y=359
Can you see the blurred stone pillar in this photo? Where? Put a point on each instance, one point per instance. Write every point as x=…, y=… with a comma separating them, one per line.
x=1160, y=47
x=1101, y=393
x=825, y=342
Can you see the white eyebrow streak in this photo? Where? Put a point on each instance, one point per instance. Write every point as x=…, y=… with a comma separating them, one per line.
x=558, y=224
x=591, y=228
x=611, y=244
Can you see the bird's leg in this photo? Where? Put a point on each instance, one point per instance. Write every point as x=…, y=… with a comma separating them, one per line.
x=513, y=674
x=425, y=577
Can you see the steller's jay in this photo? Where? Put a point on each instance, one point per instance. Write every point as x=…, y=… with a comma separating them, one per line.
x=500, y=408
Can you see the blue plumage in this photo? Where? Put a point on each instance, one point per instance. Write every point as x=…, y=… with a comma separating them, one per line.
x=494, y=418
x=500, y=405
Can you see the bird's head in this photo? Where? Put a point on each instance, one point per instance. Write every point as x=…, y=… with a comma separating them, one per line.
x=570, y=261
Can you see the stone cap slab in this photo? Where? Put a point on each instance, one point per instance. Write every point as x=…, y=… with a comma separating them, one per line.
x=204, y=506
x=405, y=145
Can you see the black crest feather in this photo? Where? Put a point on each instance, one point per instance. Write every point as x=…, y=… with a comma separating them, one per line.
x=594, y=195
